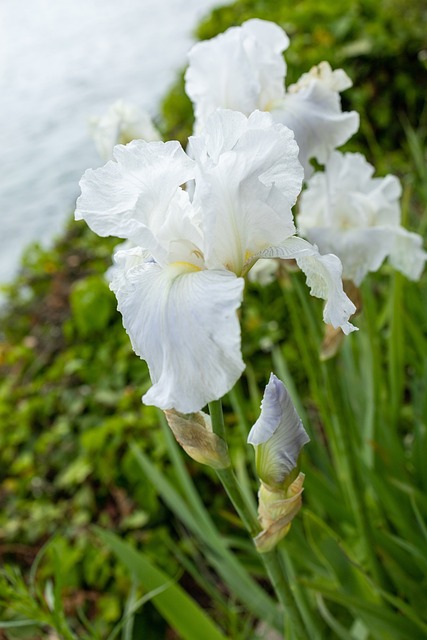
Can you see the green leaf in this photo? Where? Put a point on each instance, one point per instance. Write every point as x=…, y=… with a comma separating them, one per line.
x=224, y=562
x=181, y=611
x=14, y=624
x=382, y=622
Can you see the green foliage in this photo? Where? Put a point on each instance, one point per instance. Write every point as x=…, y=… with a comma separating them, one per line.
x=70, y=398
x=177, y=113
x=185, y=616
x=92, y=305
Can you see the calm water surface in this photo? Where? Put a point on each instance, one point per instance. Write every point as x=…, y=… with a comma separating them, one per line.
x=62, y=61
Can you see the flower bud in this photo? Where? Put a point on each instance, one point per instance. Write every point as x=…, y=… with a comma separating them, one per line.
x=278, y=437
x=276, y=511
x=193, y=432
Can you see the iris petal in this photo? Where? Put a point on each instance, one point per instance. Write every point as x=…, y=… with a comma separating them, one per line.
x=128, y=195
x=314, y=114
x=183, y=322
x=242, y=69
x=248, y=178
x=348, y=212
x=122, y=123
x=323, y=273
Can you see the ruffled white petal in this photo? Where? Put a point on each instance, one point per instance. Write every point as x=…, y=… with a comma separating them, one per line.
x=333, y=79
x=407, y=254
x=360, y=250
x=183, y=322
x=248, y=178
x=364, y=250
x=323, y=274
x=384, y=194
x=122, y=123
x=126, y=255
x=265, y=43
x=314, y=114
x=132, y=193
x=242, y=69
x=278, y=434
x=348, y=212
x=346, y=196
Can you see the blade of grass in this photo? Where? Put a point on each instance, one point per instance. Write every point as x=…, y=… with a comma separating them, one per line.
x=332, y=622
x=15, y=624
x=183, y=614
x=132, y=606
x=379, y=619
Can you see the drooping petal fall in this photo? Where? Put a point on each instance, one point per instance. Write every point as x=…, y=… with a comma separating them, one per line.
x=183, y=322
x=312, y=109
x=323, y=274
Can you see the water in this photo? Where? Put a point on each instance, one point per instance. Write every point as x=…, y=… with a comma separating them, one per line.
x=62, y=61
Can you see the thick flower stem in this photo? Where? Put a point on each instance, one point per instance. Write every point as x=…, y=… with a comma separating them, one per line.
x=227, y=477
x=229, y=482
x=274, y=567
x=271, y=559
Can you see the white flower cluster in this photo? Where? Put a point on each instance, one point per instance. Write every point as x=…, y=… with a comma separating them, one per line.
x=344, y=210
x=179, y=278
x=243, y=69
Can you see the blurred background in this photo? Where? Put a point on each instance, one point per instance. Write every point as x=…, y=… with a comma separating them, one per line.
x=61, y=63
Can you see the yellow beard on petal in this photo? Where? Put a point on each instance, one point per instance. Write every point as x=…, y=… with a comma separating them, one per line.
x=182, y=266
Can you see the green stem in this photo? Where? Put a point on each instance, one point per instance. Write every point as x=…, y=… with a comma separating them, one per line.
x=295, y=627
x=228, y=478
x=271, y=559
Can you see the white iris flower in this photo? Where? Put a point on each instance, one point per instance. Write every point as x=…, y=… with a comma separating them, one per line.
x=243, y=69
x=345, y=210
x=122, y=123
x=179, y=287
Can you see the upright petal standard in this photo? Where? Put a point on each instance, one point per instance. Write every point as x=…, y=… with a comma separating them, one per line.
x=242, y=69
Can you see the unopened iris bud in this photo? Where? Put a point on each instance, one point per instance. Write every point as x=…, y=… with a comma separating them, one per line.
x=193, y=432
x=278, y=437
